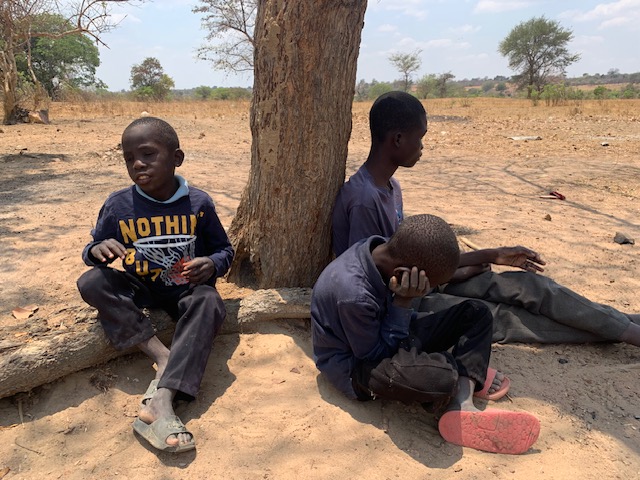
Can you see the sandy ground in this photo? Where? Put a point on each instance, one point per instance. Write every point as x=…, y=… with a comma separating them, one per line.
x=264, y=412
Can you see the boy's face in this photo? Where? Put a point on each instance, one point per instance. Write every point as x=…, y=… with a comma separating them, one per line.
x=409, y=144
x=150, y=163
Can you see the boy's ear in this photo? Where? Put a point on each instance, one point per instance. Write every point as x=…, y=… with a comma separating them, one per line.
x=397, y=138
x=178, y=156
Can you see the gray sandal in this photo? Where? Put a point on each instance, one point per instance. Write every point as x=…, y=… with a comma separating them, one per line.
x=151, y=391
x=156, y=433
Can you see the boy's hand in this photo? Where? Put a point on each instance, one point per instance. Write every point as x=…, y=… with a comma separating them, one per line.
x=407, y=284
x=198, y=270
x=108, y=249
x=520, y=257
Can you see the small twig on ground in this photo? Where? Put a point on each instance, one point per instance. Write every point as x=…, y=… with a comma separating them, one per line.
x=20, y=412
x=27, y=448
x=469, y=243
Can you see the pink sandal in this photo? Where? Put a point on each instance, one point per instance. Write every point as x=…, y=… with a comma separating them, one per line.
x=497, y=431
x=498, y=394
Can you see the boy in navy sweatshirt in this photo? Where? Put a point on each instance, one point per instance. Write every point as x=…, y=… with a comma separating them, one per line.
x=173, y=248
x=370, y=343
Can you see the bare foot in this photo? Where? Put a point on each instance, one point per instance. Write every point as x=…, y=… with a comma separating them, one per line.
x=161, y=406
x=497, y=382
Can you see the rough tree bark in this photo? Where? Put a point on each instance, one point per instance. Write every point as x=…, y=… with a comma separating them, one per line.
x=305, y=70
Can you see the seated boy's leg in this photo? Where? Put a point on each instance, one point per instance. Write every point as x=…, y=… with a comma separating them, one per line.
x=540, y=295
x=202, y=313
x=427, y=372
x=112, y=293
x=468, y=328
x=408, y=376
x=512, y=324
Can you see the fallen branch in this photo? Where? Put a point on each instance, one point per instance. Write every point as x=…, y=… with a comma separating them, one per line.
x=34, y=353
x=469, y=243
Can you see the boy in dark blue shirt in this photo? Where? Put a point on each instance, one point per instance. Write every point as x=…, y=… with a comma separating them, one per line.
x=526, y=307
x=173, y=248
x=369, y=343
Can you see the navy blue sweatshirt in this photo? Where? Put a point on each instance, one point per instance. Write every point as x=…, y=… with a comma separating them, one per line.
x=353, y=317
x=130, y=218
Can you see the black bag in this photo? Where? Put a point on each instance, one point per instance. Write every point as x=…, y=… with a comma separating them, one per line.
x=412, y=376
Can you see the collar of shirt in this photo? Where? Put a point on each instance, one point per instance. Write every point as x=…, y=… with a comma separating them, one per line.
x=183, y=191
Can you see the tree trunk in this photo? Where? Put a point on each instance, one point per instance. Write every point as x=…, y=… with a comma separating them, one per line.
x=9, y=73
x=304, y=82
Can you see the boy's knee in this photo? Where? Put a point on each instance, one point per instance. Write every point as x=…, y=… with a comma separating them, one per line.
x=412, y=376
x=91, y=281
x=476, y=309
x=209, y=298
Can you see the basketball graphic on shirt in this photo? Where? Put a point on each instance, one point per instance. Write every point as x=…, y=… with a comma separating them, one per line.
x=168, y=253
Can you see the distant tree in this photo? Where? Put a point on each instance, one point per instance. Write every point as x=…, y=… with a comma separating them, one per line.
x=362, y=90
x=426, y=86
x=442, y=85
x=600, y=92
x=432, y=85
x=233, y=22
x=203, y=92
x=536, y=50
x=501, y=87
x=487, y=86
x=67, y=62
x=407, y=64
x=19, y=26
x=148, y=80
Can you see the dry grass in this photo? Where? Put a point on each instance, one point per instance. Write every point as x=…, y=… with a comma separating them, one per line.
x=191, y=109
x=472, y=108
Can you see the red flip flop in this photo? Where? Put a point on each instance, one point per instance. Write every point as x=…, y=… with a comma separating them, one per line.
x=498, y=394
x=496, y=431
x=558, y=195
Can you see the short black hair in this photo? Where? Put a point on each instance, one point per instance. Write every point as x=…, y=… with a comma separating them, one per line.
x=394, y=111
x=429, y=243
x=166, y=133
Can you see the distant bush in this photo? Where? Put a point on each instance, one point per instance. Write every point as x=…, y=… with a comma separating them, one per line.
x=601, y=92
x=631, y=91
x=231, y=93
x=378, y=89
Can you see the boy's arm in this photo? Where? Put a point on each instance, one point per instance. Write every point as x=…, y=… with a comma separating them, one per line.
x=519, y=256
x=103, y=234
x=217, y=242
x=479, y=261
x=369, y=338
x=372, y=340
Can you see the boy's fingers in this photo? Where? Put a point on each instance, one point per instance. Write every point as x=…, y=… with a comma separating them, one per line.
x=406, y=280
x=422, y=281
x=414, y=277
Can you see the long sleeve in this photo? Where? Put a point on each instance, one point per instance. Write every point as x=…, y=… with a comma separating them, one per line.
x=370, y=338
x=105, y=228
x=217, y=241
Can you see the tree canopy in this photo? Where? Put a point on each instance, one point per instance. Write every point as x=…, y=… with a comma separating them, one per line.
x=22, y=21
x=537, y=50
x=407, y=64
x=230, y=39
x=148, y=80
x=59, y=63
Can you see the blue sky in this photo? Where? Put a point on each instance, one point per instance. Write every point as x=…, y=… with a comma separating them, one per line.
x=457, y=36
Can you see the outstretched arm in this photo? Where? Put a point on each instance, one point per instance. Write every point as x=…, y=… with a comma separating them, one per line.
x=479, y=261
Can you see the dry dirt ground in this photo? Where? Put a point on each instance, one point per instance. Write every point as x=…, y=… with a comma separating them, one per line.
x=263, y=411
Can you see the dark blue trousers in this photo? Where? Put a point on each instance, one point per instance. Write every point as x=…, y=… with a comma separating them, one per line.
x=197, y=309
